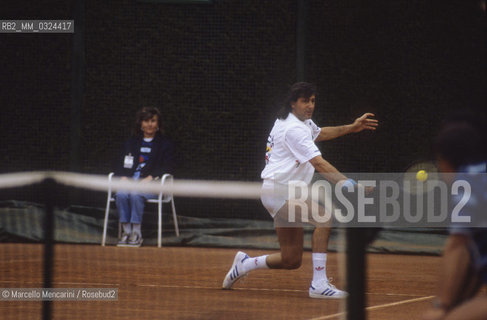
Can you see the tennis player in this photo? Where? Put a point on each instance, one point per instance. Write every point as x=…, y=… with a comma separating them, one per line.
x=292, y=155
x=460, y=151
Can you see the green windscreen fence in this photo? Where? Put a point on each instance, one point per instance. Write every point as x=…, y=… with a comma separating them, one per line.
x=22, y=221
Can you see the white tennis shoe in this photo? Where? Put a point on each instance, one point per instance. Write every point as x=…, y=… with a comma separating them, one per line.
x=326, y=291
x=236, y=271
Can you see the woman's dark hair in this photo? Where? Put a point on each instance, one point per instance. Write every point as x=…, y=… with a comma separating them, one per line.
x=147, y=113
x=297, y=90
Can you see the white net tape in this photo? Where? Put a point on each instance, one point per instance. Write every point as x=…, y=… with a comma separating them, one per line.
x=184, y=188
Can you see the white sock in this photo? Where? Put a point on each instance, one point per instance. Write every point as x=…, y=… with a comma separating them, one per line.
x=319, y=268
x=126, y=228
x=255, y=263
x=136, y=228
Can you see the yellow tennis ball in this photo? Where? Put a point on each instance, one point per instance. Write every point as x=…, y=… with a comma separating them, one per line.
x=422, y=175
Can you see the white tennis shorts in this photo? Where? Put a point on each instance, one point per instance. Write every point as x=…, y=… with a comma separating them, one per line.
x=270, y=198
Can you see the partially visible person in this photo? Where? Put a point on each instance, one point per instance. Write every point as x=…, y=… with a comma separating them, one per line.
x=460, y=153
x=146, y=156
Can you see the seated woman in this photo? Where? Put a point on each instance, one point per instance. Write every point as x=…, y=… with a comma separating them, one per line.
x=146, y=156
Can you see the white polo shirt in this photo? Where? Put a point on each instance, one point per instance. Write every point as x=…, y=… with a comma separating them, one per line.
x=290, y=146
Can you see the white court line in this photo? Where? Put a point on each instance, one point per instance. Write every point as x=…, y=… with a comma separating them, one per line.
x=21, y=260
x=64, y=283
x=216, y=288
x=262, y=289
x=392, y=304
x=84, y=284
x=394, y=294
x=173, y=286
x=89, y=284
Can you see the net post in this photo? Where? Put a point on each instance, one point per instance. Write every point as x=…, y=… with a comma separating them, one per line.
x=48, y=186
x=356, y=242
x=355, y=273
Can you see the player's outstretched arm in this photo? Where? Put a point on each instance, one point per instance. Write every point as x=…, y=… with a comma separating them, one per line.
x=362, y=123
x=327, y=170
x=330, y=173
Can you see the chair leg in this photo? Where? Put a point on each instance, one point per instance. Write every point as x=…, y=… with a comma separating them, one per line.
x=159, y=224
x=175, y=218
x=105, y=223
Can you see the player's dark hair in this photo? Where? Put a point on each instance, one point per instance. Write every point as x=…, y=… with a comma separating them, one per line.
x=460, y=144
x=297, y=90
x=147, y=113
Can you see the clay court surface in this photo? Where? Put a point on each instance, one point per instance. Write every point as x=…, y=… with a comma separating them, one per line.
x=184, y=283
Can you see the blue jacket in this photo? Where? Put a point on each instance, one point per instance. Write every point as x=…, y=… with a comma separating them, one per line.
x=161, y=159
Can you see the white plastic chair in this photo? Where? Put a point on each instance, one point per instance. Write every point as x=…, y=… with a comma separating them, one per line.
x=162, y=198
